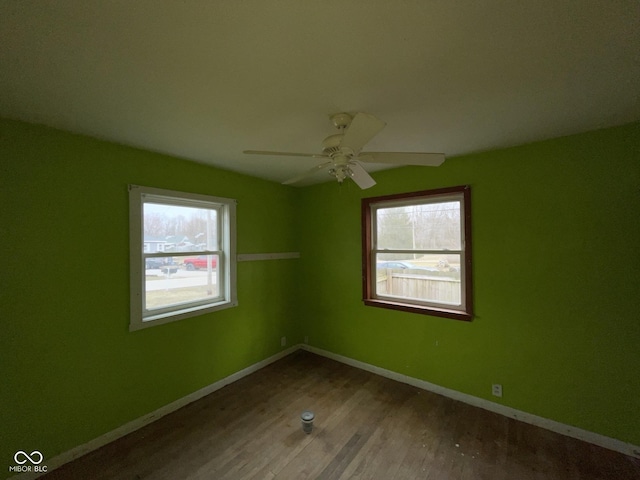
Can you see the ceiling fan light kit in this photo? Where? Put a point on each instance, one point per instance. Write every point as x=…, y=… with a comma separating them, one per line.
x=344, y=151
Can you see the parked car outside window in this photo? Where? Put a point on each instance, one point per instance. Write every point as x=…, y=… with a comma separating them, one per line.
x=195, y=263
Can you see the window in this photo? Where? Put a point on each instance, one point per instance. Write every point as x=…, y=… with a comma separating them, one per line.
x=182, y=255
x=417, y=252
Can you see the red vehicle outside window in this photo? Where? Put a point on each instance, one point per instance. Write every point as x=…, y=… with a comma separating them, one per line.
x=195, y=263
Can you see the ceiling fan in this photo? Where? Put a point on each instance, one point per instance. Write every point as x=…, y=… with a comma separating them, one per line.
x=343, y=151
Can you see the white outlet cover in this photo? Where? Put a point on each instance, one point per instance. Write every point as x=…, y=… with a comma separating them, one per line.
x=496, y=390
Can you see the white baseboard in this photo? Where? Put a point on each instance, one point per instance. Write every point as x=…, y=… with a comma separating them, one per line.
x=568, y=430
x=127, y=428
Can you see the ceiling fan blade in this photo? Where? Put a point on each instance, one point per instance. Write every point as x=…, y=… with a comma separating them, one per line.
x=363, y=128
x=308, y=173
x=288, y=154
x=402, y=158
x=360, y=176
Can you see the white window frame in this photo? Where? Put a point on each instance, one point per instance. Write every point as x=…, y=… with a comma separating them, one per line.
x=370, y=206
x=138, y=195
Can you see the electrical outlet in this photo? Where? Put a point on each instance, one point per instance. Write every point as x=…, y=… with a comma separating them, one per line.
x=496, y=390
x=283, y=341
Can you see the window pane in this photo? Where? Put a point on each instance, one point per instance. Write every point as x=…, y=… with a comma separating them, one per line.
x=429, y=226
x=395, y=228
x=422, y=278
x=179, y=279
x=175, y=228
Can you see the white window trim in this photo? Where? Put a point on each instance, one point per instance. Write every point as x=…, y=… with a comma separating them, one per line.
x=227, y=258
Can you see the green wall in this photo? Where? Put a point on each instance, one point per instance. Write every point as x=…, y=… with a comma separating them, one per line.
x=556, y=234
x=71, y=370
x=555, y=229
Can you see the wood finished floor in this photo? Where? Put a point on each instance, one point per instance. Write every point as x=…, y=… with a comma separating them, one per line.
x=366, y=427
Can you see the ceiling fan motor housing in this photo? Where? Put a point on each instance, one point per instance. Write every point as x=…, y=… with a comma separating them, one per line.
x=331, y=144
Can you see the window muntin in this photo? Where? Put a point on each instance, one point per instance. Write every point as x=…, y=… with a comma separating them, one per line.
x=417, y=252
x=182, y=255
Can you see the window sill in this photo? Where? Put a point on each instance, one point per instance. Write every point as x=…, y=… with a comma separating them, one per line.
x=422, y=310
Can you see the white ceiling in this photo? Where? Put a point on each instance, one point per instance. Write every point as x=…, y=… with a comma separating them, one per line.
x=204, y=80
